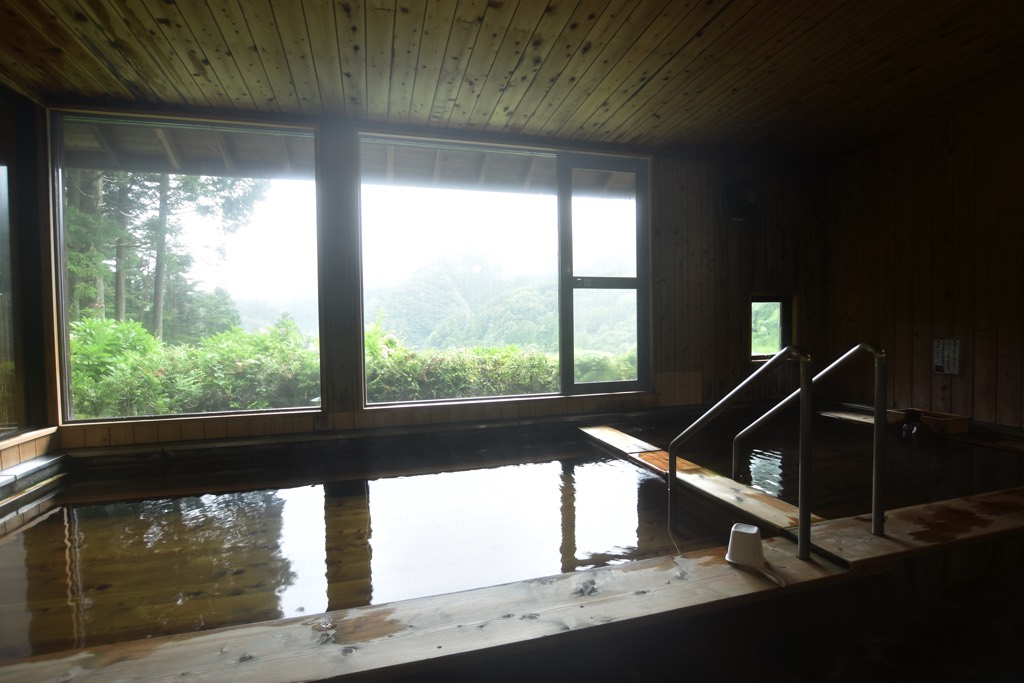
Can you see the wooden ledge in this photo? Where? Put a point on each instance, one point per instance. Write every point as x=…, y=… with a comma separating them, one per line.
x=766, y=510
x=923, y=528
x=401, y=636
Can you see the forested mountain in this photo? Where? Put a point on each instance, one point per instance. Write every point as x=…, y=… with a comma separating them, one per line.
x=447, y=306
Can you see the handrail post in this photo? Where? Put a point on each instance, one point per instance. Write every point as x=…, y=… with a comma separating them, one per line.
x=878, y=460
x=803, y=508
x=805, y=402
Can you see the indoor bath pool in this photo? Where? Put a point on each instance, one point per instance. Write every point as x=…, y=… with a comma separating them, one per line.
x=85, y=574
x=920, y=467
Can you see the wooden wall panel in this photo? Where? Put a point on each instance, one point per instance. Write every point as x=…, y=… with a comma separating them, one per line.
x=939, y=207
x=707, y=266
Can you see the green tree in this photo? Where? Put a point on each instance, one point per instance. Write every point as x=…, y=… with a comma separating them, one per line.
x=115, y=369
x=239, y=370
x=196, y=315
x=765, y=327
x=122, y=229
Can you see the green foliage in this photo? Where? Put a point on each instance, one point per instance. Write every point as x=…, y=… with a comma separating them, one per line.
x=765, y=328
x=119, y=370
x=193, y=315
x=396, y=373
x=115, y=233
x=452, y=304
x=98, y=343
x=598, y=366
x=115, y=369
x=89, y=238
x=239, y=370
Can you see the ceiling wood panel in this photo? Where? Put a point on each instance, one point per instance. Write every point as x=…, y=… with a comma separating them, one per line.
x=806, y=77
x=691, y=49
x=157, y=27
x=298, y=53
x=458, y=50
x=493, y=23
x=602, y=20
x=405, y=53
x=432, y=41
x=553, y=64
x=197, y=38
x=819, y=87
x=603, y=53
x=380, y=33
x=50, y=51
x=511, y=44
x=517, y=64
x=350, y=24
x=325, y=58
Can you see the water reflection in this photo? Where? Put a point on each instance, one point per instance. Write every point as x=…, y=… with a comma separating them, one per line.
x=102, y=573
x=303, y=530
x=766, y=471
x=440, y=533
x=88, y=575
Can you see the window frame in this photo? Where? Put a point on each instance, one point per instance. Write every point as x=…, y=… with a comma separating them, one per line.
x=785, y=302
x=569, y=282
x=61, y=291
x=343, y=387
x=566, y=161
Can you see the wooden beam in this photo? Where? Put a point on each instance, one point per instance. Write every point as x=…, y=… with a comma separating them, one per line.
x=170, y=148
x=481, y=175
x=528, y=176
x=286, y=159
x=225, y=152
x=438, y=156
x=105, y=146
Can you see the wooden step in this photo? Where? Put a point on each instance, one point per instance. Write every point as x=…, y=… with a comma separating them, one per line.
x=919, y=529
x=769, y=512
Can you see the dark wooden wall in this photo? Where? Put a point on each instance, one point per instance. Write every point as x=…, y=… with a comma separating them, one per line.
x=706, y=267
x=926, y=241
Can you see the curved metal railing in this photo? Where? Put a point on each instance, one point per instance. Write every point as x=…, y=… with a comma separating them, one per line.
x=804, y=484
x=878, y=463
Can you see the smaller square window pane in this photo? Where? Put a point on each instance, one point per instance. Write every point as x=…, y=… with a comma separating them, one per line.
x=765, y=328
x=603, y=223
x=604, y=335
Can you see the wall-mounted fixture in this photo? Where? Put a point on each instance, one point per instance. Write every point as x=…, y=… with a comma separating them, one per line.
x=946, y=356
x=740, y=200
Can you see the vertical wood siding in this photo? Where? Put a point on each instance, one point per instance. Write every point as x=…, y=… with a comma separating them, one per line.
x=707, y=266
x=927, y=242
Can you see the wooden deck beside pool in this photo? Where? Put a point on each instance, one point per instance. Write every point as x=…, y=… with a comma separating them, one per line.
x=415, y=633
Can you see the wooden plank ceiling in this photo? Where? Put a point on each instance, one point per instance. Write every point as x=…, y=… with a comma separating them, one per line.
x=807, y=77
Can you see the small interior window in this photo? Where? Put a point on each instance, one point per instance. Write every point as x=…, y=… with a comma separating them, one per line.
x=769, y=325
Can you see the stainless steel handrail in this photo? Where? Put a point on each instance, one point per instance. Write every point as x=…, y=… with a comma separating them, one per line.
x=878, y=457
x=806, y=412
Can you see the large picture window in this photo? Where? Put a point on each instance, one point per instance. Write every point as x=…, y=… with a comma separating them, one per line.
x=605, y=251
x=490, y=271
x=188, y=276
x=188, y=270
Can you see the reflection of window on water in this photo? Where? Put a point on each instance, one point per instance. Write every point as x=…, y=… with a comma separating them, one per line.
x=438, y=533
x=766, y=471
